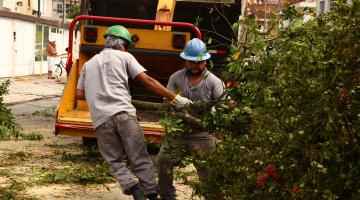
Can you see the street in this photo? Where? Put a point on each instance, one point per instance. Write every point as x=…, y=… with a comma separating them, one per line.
x=50, y=168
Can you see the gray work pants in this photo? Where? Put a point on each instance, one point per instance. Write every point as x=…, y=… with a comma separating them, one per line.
x=122, y=132
x=194, y=142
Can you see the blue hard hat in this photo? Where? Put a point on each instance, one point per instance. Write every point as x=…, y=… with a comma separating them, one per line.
x=195, y=50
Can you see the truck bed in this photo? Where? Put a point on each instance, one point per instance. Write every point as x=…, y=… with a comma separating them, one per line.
x=73, y=117
x=78, y=123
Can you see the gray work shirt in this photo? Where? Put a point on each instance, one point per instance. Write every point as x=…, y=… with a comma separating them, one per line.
x=209, y=88
x=104, y=78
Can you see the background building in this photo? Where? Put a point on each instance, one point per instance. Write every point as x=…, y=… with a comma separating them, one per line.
x=24, y=35
x=59, y=6
x=263, y=10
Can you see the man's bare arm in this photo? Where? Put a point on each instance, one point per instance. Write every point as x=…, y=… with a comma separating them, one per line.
x=154, y=86
x=80, y=95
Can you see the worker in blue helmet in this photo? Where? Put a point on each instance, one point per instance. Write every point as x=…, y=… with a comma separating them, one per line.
x=196, y=83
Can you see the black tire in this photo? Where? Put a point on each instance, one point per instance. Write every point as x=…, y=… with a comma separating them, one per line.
x=58, y=67
x=89, y=143
x=153, y=149
x=60, y=70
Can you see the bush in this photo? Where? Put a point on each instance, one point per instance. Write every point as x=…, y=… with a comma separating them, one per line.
x=5, y=133
x=7, y=124
x=294, y=131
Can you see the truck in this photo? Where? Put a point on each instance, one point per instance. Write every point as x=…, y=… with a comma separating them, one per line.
x=159, y=31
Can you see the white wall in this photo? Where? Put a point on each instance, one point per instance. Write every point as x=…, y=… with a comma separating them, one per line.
x=24, y=51
x=18, y=55
x=62, y=39
x=48, y=8
x=43, y=7
x=6, y=41
x=10, y=4
x=17, y=52
x=323, y=6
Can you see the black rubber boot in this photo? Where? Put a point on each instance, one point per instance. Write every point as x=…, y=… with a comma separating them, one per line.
x=136, y=193
x=152, y=196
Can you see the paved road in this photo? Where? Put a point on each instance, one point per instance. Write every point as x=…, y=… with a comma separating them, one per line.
x=29, y=88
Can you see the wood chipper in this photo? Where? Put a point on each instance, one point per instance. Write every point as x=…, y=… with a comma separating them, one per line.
x=158, y=51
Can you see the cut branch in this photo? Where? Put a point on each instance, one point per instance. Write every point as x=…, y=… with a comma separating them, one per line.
x=145, y=105
x=189, y=119
x=186, y=117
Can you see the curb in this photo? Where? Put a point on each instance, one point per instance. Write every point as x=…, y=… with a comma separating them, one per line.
x=30, y=100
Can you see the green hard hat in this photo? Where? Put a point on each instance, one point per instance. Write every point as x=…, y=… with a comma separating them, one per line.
x=118, y=31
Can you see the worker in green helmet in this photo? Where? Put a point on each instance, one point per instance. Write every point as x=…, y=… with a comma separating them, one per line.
x=103, y=82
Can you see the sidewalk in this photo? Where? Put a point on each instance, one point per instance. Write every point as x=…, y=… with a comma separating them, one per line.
x=30, y=88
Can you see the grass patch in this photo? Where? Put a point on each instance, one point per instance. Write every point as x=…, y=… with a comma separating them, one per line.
x=48, y=112
x=188, y=177
x=5, y=133
x=90, y=157
x=19, y=156
x=8, y=134
x=13, y=189
x=64, y=146
x=31, y=136
x=4, y=173
x=86, y=168
x=81, y=173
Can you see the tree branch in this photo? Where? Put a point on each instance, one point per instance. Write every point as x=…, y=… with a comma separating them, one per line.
x=185, y=116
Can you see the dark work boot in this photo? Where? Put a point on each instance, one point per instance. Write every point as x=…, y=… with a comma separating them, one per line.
x=152, y=196
x=136, y=193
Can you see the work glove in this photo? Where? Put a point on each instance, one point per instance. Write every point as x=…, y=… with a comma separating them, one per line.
x=180, y=101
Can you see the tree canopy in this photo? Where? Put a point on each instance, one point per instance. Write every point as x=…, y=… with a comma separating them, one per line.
x=294, y=130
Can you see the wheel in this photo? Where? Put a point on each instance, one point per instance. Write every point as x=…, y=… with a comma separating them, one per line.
x=58, y=67
x=89, y=143
x=60, y=70
x=153, y=148
x=91, y=149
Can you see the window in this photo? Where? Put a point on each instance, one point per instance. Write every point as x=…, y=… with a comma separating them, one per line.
x=29, y=4
x=271, y=1
x=41, y=40
x=322, y=6
x=19, y=3
x=59, y=8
